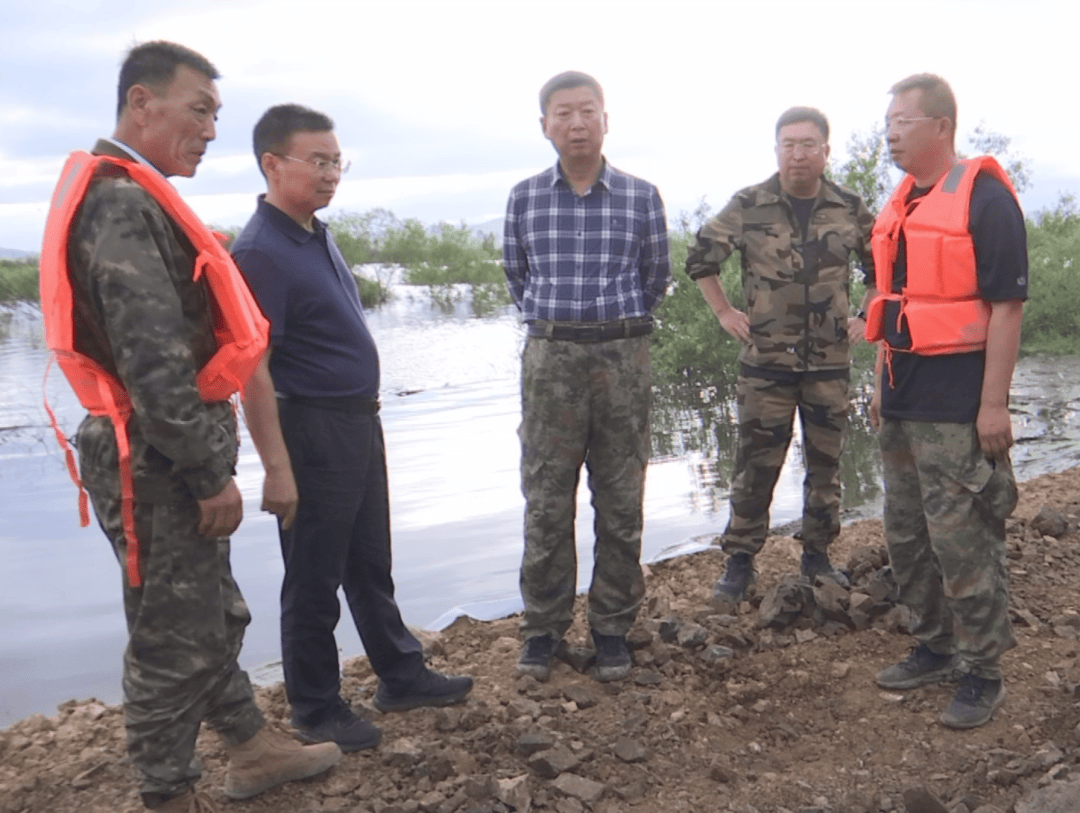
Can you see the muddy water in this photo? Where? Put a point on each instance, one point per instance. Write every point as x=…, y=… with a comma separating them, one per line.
x=451, y=409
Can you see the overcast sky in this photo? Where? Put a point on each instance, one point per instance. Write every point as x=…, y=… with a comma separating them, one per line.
x=436, y=102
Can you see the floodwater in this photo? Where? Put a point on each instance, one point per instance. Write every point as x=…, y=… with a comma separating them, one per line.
x=450, y=412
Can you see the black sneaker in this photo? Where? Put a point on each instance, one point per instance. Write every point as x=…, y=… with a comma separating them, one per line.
x=816, y=563
x=974, y=702
x=430, y=689
x=351, y=733
x=738, y=577
x=535, y=659
x=920, y=667
x=612, y=657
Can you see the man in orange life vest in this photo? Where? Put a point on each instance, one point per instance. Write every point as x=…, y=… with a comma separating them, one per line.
x=950, y=250
x=139, y=313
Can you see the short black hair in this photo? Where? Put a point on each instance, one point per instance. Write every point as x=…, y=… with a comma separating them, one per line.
x=154, y=64
x=797, y=115
x=280, y=122
x=565, y=81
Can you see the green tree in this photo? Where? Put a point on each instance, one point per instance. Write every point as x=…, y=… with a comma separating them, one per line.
x=1017, y=167
x=865, y=171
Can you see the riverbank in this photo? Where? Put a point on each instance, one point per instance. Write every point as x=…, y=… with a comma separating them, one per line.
x=720, y=713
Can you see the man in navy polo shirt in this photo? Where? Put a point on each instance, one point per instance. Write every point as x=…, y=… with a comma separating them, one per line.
x=321, y=442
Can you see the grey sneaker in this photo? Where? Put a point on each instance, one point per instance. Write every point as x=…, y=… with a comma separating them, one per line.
x=612, y=657
x=974, y=702
x=535, y=659
x=919, y=668
x=431, y=689
x=738, y=577
x=816, y=563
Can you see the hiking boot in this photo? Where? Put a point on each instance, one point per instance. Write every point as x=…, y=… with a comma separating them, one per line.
x=738, y=577
x=271, y=758
x=341, y=726
x=612, y=657
x=919, y=668
x=974, y=702
x=190, y=802
x=816, y=563
x=430, y=689
x=535, y=659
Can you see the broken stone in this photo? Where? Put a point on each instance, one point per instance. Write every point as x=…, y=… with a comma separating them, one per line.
x=1050, y=522
x=580, y=695
x=630, y=750
x=402, y=753
x=691, y=636
x=549, y=764
x=920, y=800
x=716, y=654
x=585, y=790
x=669, y=629
x=638, y=638
x=514, y=793
x=648, y=678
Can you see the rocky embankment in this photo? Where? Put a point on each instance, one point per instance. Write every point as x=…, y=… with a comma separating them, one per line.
x=772, y=709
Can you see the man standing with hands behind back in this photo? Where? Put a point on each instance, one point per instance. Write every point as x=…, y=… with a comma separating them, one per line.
x=951, y=248
x=586, y=257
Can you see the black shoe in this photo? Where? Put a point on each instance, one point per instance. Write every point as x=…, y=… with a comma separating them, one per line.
x=816, y=563
x=920, y=667
x=974, y=702
x=430, y=689
x=351, y=733
x=738, y=577
x=535, y=659
x=612, y=657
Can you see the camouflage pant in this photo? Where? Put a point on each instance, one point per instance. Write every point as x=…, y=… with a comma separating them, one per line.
x=945, y=510
x=766, y=419
x=583, y=403
x=185, y=626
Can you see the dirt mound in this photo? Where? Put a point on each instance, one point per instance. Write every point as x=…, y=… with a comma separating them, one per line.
x=773, y=709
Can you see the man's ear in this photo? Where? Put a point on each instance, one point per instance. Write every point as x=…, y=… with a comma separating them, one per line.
x=605, y=122
x=139, y=98
x=266, y=162
x=543, y=125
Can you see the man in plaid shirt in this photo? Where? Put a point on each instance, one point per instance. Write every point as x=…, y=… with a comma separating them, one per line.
x=586, y=257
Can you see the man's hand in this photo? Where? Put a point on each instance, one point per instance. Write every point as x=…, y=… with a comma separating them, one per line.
x=280, y=496
x=735, y=323
x=856, y=330
x=220, y=515
x=875, y=409
x=994, y=426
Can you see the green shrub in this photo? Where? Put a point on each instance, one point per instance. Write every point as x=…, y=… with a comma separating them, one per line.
x=19, y=280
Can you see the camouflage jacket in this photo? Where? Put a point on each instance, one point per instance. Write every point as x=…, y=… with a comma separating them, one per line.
x=795, y=286
x=139, y=314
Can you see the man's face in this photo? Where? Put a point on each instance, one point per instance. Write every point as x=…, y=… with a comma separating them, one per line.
x=576, y=123
x=913, y=136
x=801, y=153
x=301, y=185
x=180, y=122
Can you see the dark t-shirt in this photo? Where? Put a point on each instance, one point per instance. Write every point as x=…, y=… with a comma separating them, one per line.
x=320, y=338
x=948, y=388
x=802, y=207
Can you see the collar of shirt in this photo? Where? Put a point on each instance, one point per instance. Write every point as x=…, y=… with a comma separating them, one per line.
x=604, y=177
x=287, y=225
x=120, y=145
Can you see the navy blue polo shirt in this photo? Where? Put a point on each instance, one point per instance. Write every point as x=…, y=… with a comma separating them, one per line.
x=320, y=338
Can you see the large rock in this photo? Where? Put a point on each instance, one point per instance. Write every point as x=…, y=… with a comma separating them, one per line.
x=1057, y=797
x=514, y=792
x=1050, y=522
x=578, y=787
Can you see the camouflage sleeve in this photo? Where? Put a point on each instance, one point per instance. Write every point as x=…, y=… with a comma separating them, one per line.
x=655, y=257
x=515, y=262
x=865, y=221
x=137, y=277
x=716, y=241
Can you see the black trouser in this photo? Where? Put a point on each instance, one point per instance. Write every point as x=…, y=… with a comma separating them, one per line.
x=341, y=538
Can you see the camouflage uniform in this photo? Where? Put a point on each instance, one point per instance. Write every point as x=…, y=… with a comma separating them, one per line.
x=796, y=290
x=583, y=402
x=945, y=524
x=141, y=317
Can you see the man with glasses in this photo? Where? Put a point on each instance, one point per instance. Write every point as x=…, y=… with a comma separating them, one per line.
x=951, y=250
x=321, y=442
x=796, y=233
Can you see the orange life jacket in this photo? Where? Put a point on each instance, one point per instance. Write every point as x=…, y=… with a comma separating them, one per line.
x=240, y=328
x=940, y=301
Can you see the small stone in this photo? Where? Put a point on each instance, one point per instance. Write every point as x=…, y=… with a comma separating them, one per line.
x=630, y=750
x=719, y=771
x=691, y=636
x=514, y=793
x=582, y=696
x=402, y=753
x=638, y=638
x=669, y=629
x=585, y=790
x=533, y=742
x=553, y=762
x=920, y=800
x=648, y=678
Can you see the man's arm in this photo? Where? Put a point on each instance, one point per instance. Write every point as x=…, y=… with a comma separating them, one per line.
x=264, y=424
x=515, y=262
x=865, y=222
x=1002, y=345
x=715, y=242
x=655, y=255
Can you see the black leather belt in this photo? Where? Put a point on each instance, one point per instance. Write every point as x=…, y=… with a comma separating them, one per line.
x=355, y=404
x=596, y=332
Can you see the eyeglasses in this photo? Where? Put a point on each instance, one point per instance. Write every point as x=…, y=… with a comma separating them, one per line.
x=322, y=165
x=904, y=122
x=808, y=146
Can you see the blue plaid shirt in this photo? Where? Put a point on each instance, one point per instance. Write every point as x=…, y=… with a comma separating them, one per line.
x=595, y=258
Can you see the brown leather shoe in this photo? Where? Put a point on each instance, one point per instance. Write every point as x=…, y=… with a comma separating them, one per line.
x=190, y=802
x=271, y=758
